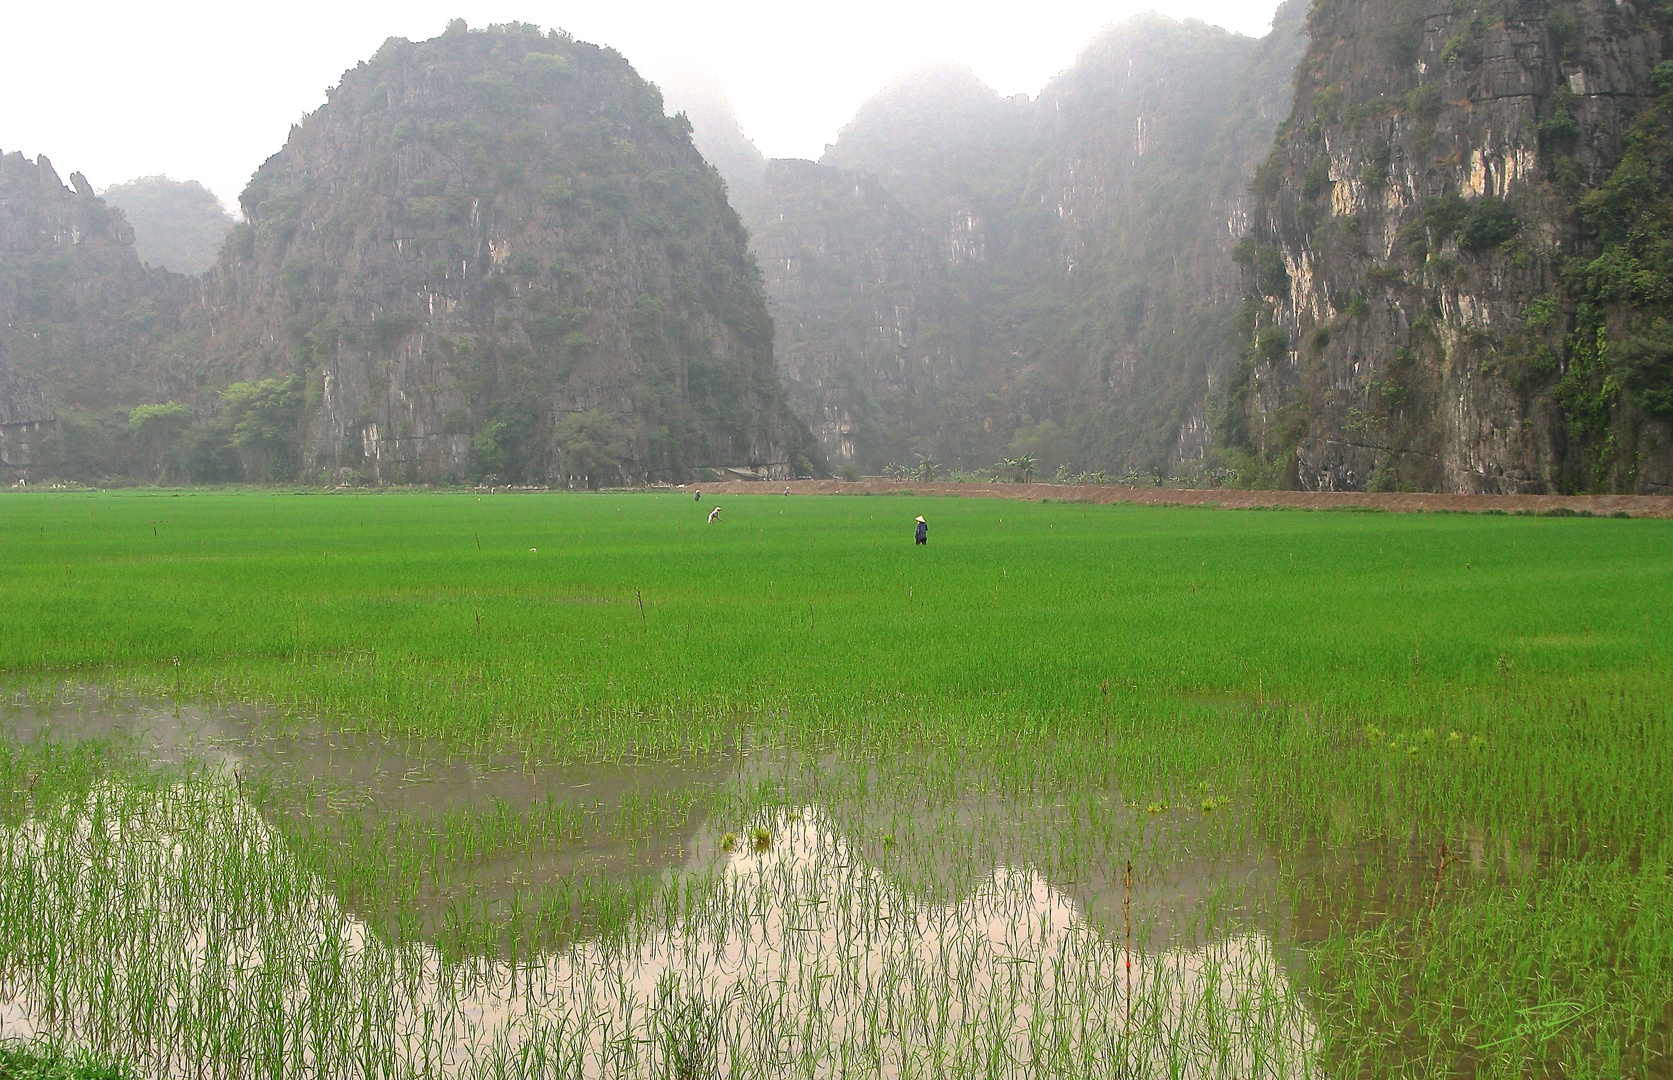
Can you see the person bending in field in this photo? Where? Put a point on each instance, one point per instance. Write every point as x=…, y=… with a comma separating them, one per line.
x=923, y=530
x=697, y=496
x=714, y=515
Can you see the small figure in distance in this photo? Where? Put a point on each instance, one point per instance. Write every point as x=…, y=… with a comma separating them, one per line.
x=923, y=530
x=787, y=491
x=697, y=495
x=714, y=515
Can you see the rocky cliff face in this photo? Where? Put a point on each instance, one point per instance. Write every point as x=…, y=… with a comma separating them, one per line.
x=82, y=322
x=1156, y=131
x=26, y=418
x=970, y=276
x=864, y=316
x=491, y=253
x=1460, y=264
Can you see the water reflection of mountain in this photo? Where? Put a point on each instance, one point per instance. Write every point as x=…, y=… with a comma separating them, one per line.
x=797, y=957
x=939, y=826
x=942, y=826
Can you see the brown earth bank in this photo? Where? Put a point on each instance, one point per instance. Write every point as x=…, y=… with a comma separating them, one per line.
x=1656, y=506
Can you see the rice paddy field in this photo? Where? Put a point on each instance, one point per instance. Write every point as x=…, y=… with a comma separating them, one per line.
x=425, y=784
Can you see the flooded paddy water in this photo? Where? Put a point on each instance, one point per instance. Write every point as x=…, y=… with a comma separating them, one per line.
x=254, y=895
x=278, y=899
x=226, y=892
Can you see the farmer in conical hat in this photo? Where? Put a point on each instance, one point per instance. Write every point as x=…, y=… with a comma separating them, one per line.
x=714, y=515
x=923, y=530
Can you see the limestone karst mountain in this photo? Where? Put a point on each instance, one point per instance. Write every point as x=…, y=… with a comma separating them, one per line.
x=966, y=276
x=1461, y=260
x=487, y=256
x=491, y=253
x=496, y=255
x=82, y=321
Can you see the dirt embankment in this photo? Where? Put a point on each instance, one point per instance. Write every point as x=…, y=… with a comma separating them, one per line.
x=1657, y=506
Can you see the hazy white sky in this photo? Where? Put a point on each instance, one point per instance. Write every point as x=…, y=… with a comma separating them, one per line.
x=206, y=91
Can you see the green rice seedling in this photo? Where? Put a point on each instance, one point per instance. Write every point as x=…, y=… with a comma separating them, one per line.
x=44, y=1061
x=1400, y=867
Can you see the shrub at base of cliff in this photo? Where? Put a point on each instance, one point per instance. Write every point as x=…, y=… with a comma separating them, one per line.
x=1619, y=370
x=262, y=418
x=252, y=438
x=156, y=431
x=591, y=446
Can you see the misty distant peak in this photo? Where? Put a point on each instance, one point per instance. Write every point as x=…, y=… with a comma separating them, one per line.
x=1150, y=31
x=178, y=224
x=938, y=133
x=939, y=81
x=944, y=95
x=717, y=134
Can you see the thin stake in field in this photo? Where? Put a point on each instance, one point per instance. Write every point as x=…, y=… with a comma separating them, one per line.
x=1127, y=951
x=1446, y=859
